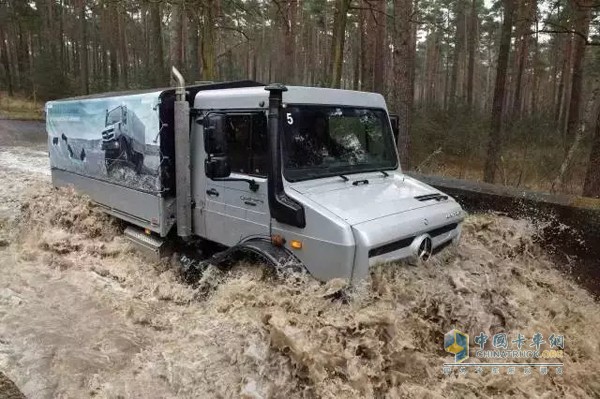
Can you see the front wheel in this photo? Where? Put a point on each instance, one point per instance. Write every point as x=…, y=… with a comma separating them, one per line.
x=110, y=158
x=115, y=156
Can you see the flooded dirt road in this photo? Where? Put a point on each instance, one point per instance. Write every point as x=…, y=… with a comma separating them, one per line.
x=81, y=315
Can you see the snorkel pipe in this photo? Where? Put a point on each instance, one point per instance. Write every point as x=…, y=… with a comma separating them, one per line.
x=283, y=208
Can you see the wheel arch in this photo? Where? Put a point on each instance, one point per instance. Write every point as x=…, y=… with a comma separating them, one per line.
x=279, y=257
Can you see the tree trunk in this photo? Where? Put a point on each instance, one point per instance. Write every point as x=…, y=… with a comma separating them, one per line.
x=457, y=56
x=289, y=69
x=337, y=43
x=559, y=182
x=83, y=49
x=208, y=41
x=495, y=138
x=522, y=37
x=283, y=52
x=156, y=57
x=591, y=186
x=6, y=62
x=537, y=68
x=194, y=63
x=473, y=42
x=403, y=66
x=356, y=59
x=563, y=92
x=122, y=45
x=379, y=50
x=582, y=25
x=367, y=46
x=60, y=36
x=111, y=33
x=114, y=67
x=176, y=43
x=555, y=76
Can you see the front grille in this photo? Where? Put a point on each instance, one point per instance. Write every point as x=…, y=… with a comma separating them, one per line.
x=405, y=242
x=391, y=247
x=108, y=134
x=441, y=230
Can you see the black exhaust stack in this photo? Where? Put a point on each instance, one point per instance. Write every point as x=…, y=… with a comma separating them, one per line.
x=283, y=208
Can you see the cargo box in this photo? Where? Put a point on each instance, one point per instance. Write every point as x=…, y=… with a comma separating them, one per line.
x=118, y=148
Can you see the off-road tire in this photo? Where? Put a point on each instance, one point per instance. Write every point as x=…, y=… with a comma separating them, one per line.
x=114, y=157
x=138, y=162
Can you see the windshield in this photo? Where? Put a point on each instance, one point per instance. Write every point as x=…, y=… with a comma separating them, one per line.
x=320, y=141
x=113, y=116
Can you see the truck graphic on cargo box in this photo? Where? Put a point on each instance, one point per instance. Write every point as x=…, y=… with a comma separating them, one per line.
x=123, y=138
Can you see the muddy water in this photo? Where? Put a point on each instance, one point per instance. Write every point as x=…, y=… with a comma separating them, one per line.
x=82, y=315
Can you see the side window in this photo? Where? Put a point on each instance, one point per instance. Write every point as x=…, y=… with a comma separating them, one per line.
x=239, y=128
x=247, y=142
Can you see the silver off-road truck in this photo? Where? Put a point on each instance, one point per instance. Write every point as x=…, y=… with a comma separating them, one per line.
x=301, y=173
x=123, y=138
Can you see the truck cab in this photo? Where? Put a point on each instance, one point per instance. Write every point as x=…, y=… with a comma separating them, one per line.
x=315, y=170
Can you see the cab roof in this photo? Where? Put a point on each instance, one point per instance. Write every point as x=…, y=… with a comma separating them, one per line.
x=248, y=94
x=258, y=97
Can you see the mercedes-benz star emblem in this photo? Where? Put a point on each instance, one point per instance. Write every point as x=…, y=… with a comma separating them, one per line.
x=425, y=248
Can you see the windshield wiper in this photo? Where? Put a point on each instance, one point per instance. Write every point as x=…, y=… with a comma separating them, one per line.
x=344, y=177
x=385, y=174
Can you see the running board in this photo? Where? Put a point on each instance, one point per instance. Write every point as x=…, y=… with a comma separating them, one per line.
x=150, y=246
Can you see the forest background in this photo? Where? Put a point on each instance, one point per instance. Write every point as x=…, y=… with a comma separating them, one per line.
x=502, y=91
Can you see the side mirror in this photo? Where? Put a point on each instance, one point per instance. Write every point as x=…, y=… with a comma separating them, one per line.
x=215, y=140
x=395, y=121
x=217, y=167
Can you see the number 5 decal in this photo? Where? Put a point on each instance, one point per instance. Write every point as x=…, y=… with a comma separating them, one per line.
x=290, y=120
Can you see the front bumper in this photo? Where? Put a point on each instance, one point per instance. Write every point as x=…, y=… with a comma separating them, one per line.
x=398, y=236
x=110, y=145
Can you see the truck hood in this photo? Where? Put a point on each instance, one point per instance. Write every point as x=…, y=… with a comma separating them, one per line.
x=381, y=197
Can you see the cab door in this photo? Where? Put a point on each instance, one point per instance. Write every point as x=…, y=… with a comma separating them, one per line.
x=236, y=208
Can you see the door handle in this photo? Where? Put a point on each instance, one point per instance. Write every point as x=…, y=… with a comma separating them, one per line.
x=250, y=203
x=212, y=192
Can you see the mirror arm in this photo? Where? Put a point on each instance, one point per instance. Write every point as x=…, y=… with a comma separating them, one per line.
x=254, y=186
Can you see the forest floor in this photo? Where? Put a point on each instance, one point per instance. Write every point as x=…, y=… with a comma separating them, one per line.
x=82, y=315
x=20, y=108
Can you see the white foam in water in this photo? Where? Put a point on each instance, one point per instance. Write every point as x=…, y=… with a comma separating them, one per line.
x=25, y=160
